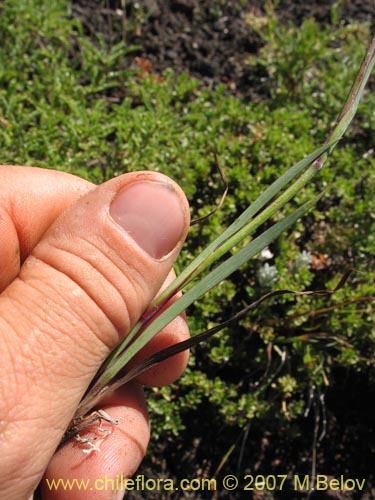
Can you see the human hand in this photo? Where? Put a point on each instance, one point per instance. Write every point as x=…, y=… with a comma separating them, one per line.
x=78, y=266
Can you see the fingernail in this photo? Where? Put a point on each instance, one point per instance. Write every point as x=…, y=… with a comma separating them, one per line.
x=152, y=214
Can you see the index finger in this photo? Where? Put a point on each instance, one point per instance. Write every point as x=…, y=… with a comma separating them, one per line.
x=31, y=199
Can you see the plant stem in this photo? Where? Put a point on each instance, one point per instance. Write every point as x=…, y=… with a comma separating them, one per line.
x=155, y=318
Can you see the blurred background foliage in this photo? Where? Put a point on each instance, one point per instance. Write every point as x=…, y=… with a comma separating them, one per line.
x=259, y=393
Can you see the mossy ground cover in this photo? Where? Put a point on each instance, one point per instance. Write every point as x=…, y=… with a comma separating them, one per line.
x=297, y=367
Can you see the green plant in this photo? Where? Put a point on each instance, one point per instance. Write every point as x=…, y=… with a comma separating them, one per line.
x=91, y=115
x=209, y=265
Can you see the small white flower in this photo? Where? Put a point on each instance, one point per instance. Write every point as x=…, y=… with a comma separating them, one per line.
x=303, y=260
x=267, y=275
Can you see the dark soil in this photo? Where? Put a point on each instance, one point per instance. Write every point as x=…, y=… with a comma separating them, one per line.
x=212, y=44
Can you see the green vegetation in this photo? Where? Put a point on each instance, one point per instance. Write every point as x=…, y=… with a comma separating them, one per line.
x=71, y=104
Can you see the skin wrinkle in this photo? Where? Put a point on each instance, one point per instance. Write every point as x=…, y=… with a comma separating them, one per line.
x=13, y=372
x=20, y=418
x=27, y=420
x=9, y=397
x=45, y=318
x=135, y=277
x=27, y=476
x=97, y=279
x=92, y=274
x=44, y=379
x=136, y=273
x=20, y=225
x=133, y=288
x=108, y=274
x=64, y=266
x=8, y=238
x=30, y=373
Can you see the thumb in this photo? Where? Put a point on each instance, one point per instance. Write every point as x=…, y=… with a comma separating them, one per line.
x=79, y=292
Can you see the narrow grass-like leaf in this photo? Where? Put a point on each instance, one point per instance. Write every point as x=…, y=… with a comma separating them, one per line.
x=296, y=177
x=224, y=242
x=217, y=275
x=201, y=262
x=201, y=337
